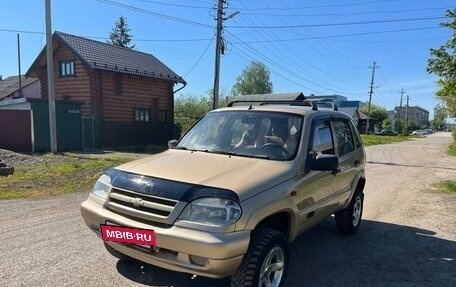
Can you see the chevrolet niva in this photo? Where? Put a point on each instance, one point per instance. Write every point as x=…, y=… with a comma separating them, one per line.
x=228, y=197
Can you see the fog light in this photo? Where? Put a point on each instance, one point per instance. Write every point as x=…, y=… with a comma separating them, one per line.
x=197, y=260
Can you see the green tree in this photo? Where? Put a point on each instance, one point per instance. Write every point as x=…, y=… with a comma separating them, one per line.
x=443, y=63
x=120, y=34
x=189, y=108
x=440, y=116
x=387, y=124
x=253, y=80
x=377, y=114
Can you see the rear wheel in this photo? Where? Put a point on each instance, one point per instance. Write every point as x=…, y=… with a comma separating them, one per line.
x=266, y=261
x=348, y=219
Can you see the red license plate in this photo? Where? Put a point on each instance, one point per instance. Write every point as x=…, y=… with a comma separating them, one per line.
x=127, y=235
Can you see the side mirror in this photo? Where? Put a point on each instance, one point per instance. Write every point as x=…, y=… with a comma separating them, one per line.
x=325, y=162
x=172, y=143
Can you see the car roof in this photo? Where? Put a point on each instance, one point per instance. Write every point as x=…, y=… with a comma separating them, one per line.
x=294, y=107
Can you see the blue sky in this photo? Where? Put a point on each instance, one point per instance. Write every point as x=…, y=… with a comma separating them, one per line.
x=319, y=47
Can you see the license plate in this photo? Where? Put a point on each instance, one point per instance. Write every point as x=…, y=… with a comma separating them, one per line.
x=137, y=236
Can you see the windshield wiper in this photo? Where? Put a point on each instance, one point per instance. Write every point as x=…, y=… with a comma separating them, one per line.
x=240, y=154
x=180, y=147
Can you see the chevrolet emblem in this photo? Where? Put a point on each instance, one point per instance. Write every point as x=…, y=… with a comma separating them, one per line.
x=137, y=202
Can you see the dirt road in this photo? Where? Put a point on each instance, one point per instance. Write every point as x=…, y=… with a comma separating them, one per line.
x=407, y=237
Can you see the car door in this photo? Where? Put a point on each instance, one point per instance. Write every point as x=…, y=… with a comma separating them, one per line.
x=316, y=188
x=346, y=152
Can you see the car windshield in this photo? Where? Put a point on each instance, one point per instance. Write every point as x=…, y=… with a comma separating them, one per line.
x=267, y=135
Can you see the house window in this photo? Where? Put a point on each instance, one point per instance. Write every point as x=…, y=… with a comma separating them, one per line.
x=67, y=68
x=163, y=116
x=142, y=115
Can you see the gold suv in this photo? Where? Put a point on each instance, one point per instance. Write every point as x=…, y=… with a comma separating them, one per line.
x=229, y=195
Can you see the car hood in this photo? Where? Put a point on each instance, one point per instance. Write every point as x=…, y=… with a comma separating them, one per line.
x=245, y=176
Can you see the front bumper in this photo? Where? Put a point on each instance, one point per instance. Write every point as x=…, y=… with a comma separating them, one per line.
x=176, y=245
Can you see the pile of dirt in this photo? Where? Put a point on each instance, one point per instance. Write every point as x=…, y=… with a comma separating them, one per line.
x=15, y=159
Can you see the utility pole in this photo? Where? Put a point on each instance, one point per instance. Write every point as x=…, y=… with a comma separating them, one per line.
x=219, y=49
x=400, y=107
x=218, y=43
x=373, y=67
x=21, y=95
x=50, y=80
x=400, y=104
x=407, y=114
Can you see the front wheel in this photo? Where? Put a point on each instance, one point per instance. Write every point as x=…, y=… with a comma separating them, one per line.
x=266, y=261
x=348, y=219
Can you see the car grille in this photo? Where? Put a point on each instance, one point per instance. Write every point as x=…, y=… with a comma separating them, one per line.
x=144, y=207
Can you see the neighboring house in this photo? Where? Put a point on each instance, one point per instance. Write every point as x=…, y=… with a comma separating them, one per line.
x=127, y=96
x=353, y=104
x=10, y=88
x=414, y=114
x=358, y=117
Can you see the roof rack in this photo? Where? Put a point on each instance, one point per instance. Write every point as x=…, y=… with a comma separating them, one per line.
x=327, y=105
x=305, y=103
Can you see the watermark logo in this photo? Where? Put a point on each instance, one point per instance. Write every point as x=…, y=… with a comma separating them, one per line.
x=128, y=235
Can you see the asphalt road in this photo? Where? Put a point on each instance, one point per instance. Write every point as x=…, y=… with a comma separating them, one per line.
x=407, y=237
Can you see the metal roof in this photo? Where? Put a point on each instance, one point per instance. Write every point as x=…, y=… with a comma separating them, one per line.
x=107, y=57
x=10, y=85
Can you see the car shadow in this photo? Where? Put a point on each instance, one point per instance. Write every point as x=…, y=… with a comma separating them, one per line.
x=381, y=254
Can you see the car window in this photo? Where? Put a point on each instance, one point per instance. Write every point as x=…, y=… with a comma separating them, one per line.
x=271, y=135
x=322, y=141
x=356, y=137
x=344, y=137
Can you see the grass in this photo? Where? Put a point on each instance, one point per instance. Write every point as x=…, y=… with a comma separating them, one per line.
x=149, y=149
x=452, y=150
x=448, y=186
x=376, y=140
x=71, y=175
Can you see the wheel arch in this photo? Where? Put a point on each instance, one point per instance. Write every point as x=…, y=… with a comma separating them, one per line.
x=358, y=185
x=280, y=221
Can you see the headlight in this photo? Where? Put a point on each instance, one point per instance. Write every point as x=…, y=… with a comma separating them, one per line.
x=102, y=186
x=217, y=212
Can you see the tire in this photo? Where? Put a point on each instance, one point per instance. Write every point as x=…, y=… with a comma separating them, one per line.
x=116, y=253
x=268, y=248
x=348, y=219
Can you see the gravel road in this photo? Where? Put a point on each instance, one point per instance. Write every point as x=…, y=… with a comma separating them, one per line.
x=407, y=237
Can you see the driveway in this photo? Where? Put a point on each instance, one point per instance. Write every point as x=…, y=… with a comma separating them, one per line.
x=407, y=237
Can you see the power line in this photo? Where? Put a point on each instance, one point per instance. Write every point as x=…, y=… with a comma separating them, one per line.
x=174, y=5
x=140, y=10
x=252, y=42
x=291, y=61
x=346, y=35
x=327, y=6
x=274, y=13
x=325, y=45
x=200, y=57
x=336, y=24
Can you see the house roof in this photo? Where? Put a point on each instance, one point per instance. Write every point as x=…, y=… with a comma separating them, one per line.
x=353, y=112
x=10, y=85
x=107, y=57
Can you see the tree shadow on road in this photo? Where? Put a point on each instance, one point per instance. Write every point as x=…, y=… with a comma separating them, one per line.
x=381, y=254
